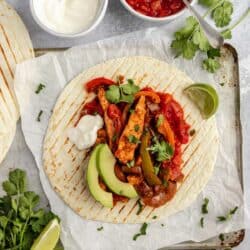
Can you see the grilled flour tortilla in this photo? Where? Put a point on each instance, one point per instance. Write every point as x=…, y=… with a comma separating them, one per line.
x=15, y=47
x=66, y=166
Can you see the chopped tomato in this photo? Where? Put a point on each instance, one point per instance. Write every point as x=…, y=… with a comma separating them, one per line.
x=94, y=84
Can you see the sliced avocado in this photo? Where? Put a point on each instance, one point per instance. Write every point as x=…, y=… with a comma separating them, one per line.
x=105, y=198
x=106, y=164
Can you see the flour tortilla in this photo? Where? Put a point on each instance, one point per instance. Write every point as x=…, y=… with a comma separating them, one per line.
x=66, y=166
x=15, y=47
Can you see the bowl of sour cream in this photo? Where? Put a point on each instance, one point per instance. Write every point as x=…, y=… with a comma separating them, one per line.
x=68, y=18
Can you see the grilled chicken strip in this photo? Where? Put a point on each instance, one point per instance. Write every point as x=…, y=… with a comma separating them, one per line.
x=108, y=122
x=132, y=133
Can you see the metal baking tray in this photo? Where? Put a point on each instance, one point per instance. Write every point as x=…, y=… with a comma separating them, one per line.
x=229, y=75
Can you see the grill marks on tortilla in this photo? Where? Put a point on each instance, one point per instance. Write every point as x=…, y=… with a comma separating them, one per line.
x=68, y=169
x=15, y=47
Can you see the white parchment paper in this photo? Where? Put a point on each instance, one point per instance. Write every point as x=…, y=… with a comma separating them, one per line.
x=223, y=190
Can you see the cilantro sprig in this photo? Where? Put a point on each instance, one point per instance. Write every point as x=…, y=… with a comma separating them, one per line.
x=161, y=149
x=20, y=219
x=122, y=93
x=190, y=39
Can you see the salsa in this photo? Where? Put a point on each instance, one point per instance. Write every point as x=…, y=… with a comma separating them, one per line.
x=157, y=8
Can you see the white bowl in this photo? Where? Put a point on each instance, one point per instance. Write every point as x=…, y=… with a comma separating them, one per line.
x=153, y=19
x=99, y=16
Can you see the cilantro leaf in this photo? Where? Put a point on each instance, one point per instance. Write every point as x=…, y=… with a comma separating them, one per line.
x=227, y=34
x=113, y=94
x=221, y=237
x=212, y=53
x=189, y=39
x=184, y=47
x=211, y=65
x=200, y=40
x=222, y=14
x=161, y=149
x=129, y=88
x=122, y=93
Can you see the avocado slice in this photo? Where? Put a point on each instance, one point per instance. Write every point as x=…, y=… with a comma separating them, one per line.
x=106, y=164
x=105, y=198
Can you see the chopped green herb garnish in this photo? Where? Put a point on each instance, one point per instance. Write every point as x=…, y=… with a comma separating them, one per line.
x=202, y=222
x=204, y=206
x=131, y=111
x=154, y=217
x=122, y=93
x=162, y=225
x=99, y=228
x=222, y=84
x=113, y=94
x=133, y=139
x=136, y=128
x=160, y=121
x=39, y=116
x=139, y=208
x=165, y=183
x=131, y=163
x=228, y=216
x=142, y=231
x=157, y=169
x=40, y=87
x=161, y=149
x=192, y=132
x=221, y=237
x=114, y=137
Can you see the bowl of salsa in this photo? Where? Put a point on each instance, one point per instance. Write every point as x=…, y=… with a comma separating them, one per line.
x=155, y=10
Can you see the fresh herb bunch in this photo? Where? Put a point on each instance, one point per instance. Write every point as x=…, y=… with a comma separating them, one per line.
x=190, y=39
x=20, y=219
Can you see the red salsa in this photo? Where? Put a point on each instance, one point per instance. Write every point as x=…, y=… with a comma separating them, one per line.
x=157, y=8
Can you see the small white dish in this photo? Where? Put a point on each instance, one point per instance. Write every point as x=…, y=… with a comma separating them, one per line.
x=99, y=16
x=153, y=19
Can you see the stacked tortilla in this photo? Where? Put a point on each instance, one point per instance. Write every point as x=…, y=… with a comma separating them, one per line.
x=15, y=47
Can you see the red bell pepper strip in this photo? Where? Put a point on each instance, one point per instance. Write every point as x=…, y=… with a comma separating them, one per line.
x=94, y=84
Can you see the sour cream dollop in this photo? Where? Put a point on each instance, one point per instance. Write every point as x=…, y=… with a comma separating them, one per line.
x=66, y=16
x=85, y=133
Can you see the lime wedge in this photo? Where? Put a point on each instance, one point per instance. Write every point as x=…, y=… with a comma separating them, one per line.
x=205, y=97
x=48, y=238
